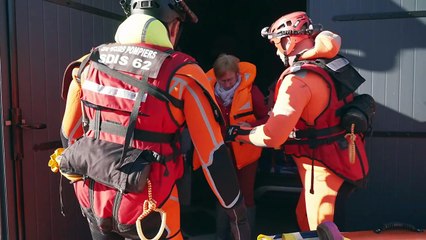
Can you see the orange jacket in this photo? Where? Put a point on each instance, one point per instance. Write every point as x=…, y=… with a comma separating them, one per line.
x=242, y=111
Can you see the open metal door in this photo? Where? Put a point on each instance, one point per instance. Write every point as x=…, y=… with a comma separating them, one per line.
x=38, y=38
x=8, y=210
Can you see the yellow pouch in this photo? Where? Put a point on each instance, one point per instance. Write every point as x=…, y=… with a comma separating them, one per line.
x=54, y=162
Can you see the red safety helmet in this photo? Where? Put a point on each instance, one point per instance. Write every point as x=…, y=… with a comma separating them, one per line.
x=296, y=26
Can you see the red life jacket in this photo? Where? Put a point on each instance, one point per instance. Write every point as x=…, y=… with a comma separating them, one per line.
x=109, y=98
x=325, y=140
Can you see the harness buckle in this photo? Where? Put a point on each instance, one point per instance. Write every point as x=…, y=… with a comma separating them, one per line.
x=293, y=134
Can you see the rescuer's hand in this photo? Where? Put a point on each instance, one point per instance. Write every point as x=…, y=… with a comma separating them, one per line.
x=238, y=220
x=231, y=133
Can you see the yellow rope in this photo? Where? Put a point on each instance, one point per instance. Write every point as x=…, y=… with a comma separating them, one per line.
x=149, y=206
x=351, y=137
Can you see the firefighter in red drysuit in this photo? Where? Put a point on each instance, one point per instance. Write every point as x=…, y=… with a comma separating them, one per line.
x=304, y=119
x=178, y=95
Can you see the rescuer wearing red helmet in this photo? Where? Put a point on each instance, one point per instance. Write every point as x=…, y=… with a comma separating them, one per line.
x=307, y=120
x=126, y=104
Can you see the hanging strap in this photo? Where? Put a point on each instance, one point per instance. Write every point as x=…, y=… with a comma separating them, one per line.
x=141, y=135
x=132, y=119
x=82, y=66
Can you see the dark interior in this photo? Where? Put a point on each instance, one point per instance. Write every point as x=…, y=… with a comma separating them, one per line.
x=233, y=27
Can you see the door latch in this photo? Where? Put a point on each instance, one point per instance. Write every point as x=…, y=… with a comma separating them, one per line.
x=24, y=125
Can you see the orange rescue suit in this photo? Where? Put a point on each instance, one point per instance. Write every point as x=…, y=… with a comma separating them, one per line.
x=305, y=99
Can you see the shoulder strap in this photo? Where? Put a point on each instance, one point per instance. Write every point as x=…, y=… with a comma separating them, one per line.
x=82, y=66
x=67, y=78
x=133, y=116
x=345, y=77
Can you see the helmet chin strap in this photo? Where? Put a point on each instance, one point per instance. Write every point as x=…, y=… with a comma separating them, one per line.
x=292, y=46
x=284, y=58
x=286, y=61
x=285, y=53
x=126, y=7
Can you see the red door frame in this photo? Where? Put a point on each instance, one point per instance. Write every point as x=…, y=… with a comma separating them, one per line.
x=12, y=221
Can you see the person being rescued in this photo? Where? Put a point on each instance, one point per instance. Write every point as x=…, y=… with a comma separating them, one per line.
x=126, y=104
x=313, y=118
x=242, y=103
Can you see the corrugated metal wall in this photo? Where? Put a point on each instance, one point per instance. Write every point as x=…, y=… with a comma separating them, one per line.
x=390, y=54
x=49, y=36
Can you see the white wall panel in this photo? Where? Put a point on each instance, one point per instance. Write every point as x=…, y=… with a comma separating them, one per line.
x=390, y=54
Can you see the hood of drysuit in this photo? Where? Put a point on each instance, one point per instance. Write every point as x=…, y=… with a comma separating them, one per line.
x=327, y=45
x=142, y=28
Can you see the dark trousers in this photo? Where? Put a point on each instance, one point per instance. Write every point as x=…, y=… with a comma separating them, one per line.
x=97, y=235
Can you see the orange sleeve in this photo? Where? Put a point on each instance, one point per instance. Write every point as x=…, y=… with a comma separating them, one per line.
x=293, y=96
x=202, y=125
x=214, y=157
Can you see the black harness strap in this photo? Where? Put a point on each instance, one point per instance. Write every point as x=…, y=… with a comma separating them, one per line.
x=313, y=143
x=132, y=118
x=240, y=115
x=141, y=85
x=81, y=68
x=141, y=135
x=130, y=132
x=313, y=133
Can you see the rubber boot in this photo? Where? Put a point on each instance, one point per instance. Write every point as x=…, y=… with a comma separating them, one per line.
x=238, y=220
x=223, y=231
x=251, y=215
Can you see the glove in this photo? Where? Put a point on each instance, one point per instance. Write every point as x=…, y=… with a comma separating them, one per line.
x=240, y=226
x=54, y=164
x=231, y=133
